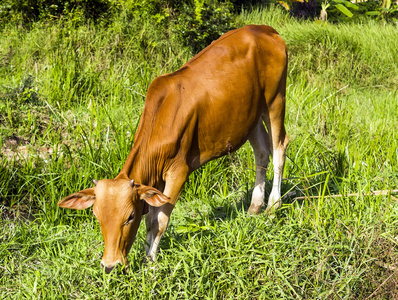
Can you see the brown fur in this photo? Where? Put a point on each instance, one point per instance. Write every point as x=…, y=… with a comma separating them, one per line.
x=210, y=107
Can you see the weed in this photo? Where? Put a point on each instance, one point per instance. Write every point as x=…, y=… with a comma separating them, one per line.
x=73, y=119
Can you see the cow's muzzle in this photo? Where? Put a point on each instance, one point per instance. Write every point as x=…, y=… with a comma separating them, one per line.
x=109, y=267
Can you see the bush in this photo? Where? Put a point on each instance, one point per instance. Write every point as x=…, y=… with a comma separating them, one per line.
x=198, y=24
x=28, y=11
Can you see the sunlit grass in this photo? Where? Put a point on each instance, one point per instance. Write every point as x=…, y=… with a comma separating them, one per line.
x=74, y=96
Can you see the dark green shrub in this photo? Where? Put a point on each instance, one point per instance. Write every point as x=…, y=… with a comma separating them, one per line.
x=198, y=24
x=28, y=11
x=247, y=4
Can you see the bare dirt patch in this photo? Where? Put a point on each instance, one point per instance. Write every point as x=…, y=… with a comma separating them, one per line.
x=20, y=149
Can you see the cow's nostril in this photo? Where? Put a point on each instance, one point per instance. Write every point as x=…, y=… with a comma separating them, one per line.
x=108, y=269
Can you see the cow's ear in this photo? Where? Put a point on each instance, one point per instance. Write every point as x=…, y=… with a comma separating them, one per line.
x=79, y=200
x=152, y=196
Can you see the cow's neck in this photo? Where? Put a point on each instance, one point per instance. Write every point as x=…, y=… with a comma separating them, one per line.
x=142, y=165
x=155, y=146
x=145, y=162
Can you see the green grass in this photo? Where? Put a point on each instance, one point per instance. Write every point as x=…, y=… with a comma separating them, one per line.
x=72, y=96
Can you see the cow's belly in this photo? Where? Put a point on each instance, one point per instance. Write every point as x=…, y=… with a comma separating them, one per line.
x=225, y=124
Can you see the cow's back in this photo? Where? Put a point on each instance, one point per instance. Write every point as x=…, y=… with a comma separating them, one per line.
x=218, y=96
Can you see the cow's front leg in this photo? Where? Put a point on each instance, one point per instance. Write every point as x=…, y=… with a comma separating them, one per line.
x=156, y=221
x=158, y=218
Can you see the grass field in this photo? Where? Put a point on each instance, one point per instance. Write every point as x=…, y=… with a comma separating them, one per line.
x=70, y=100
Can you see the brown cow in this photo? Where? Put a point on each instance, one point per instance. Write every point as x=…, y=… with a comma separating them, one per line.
x=208, y=108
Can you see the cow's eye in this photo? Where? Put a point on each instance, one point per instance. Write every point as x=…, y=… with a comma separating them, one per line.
x=130, y=218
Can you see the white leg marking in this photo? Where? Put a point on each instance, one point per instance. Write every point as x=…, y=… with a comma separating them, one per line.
x=157, y=221
x=258, y=195
x=258, y=140
x=274, y=201
x=162, y=222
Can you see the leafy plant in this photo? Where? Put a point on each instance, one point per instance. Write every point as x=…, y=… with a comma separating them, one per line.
x=201, y=22
x=344, y=10
x=345, y=7
x=387, y=11
x=28, y=11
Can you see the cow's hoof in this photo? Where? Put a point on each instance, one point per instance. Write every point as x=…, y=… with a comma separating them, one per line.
x=254, y=209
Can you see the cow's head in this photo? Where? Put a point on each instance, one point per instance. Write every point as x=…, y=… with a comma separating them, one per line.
x=118, y=205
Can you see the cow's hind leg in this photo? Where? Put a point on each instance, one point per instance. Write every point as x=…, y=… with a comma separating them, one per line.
x=279, y=140
x=260, y=141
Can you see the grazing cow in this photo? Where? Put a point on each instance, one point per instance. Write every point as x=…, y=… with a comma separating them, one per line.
x=211, y=106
